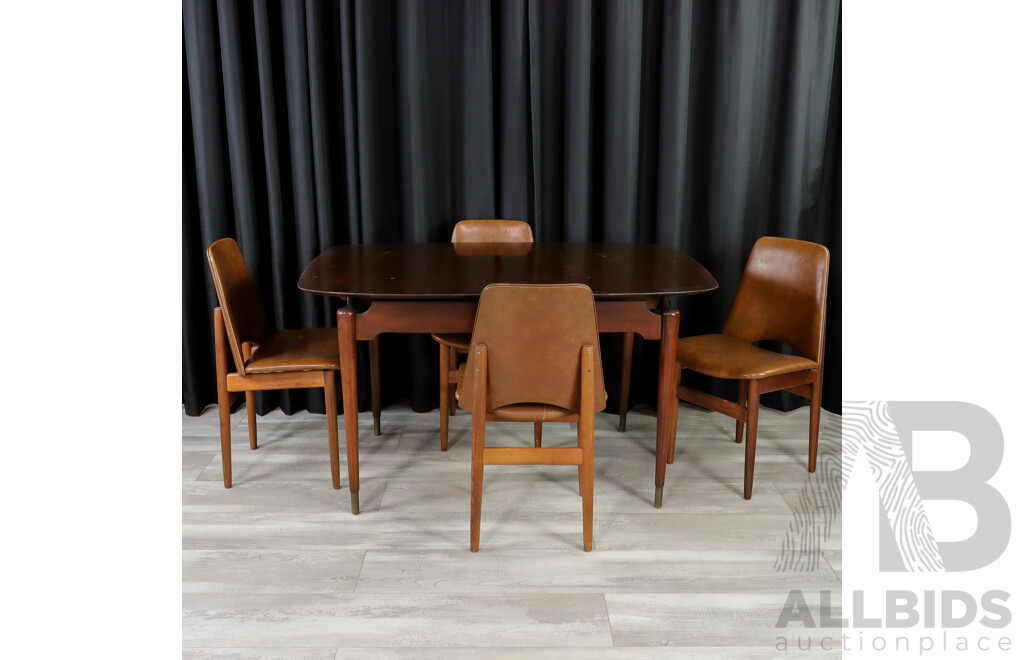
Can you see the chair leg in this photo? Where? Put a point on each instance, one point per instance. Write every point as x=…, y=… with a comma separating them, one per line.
x=250, y=400
x=331, y=403
x=812, y=451
x=250, y=408
x=741, y=399
x=537, y=426
x=753, y=401
x=627, y=368
x=453, y=364
x=476, y=490
x=223, y=398
x=443, y=370
x=224, y=411
x=375, y=383
x=585, y=440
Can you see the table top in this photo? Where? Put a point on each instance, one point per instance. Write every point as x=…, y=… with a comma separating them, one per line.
x=449, y=271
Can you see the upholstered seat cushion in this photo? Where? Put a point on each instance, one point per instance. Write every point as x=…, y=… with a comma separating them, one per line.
x=721, y=356
x=296, y=350
x=531, y=412
x=454, y=339
x=524, y=412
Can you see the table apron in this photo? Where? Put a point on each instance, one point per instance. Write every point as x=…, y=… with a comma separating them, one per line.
x=421, y=316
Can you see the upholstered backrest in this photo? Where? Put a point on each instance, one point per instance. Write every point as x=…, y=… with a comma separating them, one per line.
x=492, y=231
x=534, y=334
x=244, y=317
x=782, y=296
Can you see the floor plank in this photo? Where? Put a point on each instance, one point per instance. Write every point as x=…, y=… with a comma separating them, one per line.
x=613, y=571
x=260, y=654
x=270, y=571
x=740, y=619
x=569, y=653
x=344, y=620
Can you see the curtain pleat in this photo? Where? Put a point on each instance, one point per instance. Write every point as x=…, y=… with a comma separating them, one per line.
x=698, y=125
x=273, y=198
x=512, y=137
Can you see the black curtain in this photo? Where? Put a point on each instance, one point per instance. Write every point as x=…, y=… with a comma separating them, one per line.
x=699, y=125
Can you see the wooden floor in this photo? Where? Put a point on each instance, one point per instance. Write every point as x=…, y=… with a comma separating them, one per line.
x=278, y=567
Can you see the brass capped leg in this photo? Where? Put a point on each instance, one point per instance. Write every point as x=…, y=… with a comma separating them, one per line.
x=657, y=497
x=376, y=425
x=355, y=503
x=622, y=423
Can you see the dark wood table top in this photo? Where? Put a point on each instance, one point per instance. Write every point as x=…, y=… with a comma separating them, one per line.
x=451, y=272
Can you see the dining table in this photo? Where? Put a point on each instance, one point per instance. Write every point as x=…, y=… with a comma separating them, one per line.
x=434, y=288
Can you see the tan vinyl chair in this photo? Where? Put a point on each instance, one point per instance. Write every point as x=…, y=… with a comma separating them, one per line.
x=454, y=344
x=264, y=359
x=535, y=357
x=781, y=297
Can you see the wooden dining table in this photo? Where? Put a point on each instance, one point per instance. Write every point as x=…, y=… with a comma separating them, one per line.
x=434, y=287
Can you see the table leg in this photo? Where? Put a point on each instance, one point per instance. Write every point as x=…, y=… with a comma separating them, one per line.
x=375, y=383
x=350, y=398
x=667, y=406
x=627, y=368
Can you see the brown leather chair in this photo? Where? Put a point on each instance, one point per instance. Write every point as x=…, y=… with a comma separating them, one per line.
x=781, y=297
x=535, y=357
x=264, y=359
x=466, y=233
x=453, y=344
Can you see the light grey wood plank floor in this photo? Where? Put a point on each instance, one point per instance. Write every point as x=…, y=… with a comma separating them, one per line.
x=277, y=567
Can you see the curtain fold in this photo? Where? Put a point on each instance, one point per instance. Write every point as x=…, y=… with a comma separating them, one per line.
x=699, y=125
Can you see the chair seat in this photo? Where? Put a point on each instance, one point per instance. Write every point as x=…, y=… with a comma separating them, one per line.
x=531, y=412
x=453, y=339
x=523, y=412
x=309, y=349
x=721, y=356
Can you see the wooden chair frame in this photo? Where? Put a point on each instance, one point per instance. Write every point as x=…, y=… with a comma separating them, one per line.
x=784, y=279
x=448, y=357
x=806, y=383
x=581, y=456
x=231, y=384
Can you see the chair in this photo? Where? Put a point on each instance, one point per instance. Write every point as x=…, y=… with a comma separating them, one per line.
x=781, y=297
x=264, y=359
x=454, y=344
x=535, y=357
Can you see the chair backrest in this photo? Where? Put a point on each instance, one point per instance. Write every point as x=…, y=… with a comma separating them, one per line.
x=492, y=231
x=244, y=317
x=782, y=296
x=534, y=334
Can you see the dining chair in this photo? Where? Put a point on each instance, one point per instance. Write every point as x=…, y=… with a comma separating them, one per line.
x=781, y=296
x=264, y=359
x=454, y=344
x=535, y=357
